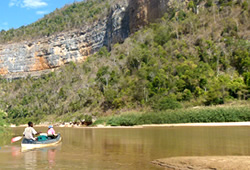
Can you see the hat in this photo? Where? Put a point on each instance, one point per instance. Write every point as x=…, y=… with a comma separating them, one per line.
x=51, y=126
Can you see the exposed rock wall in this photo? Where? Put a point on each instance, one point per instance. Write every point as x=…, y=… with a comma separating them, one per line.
x=142, y=12
x=28, y=57
x=125, y=17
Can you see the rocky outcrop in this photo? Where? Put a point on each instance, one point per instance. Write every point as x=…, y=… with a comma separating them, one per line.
x=55, y=51
x=124, y=18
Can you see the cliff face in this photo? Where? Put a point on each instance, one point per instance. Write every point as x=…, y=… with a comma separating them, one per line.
x=142, y=12
x=124, y=18
x=20, y=59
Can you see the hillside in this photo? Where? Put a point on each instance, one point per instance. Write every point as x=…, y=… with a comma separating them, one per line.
x=190, y=57
x=70, y=17
x=33, y=54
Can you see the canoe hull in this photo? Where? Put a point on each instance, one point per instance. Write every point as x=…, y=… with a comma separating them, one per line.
x=48, y=143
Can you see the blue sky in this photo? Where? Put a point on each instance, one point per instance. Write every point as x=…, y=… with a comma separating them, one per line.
x=15, y=13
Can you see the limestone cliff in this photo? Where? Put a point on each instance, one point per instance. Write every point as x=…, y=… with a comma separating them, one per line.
x=126, y=17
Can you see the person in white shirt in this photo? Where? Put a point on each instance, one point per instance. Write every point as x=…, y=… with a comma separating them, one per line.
x=29, y=132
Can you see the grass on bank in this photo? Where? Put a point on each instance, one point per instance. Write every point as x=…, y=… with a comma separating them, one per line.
x=194, y=115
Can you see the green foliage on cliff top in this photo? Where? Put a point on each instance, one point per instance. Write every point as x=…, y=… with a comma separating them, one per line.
x=184, y=60
x=69, y=17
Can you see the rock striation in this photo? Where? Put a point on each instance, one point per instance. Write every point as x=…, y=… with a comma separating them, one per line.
x=34, y=58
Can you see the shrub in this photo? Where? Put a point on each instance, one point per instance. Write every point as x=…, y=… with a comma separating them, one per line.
x=167, y=103
x=245, y=5
x=209, y=3
x=3, y=122
x=88, y=118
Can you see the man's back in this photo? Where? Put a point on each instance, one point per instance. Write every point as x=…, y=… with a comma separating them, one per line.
x=29, y=132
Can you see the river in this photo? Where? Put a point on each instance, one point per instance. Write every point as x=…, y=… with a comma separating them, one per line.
x=125, y=148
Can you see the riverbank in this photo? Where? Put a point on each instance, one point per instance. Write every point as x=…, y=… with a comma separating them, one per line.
x=201, y=116
x=179, y=116
x=221, y=124
x=206, y=162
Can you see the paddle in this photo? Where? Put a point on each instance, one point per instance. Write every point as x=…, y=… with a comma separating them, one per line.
x=16, y=139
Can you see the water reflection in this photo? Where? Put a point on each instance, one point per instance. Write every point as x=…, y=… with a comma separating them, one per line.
x=15, y=151
x=30, y=159
x=34, y=157
x=51, y=157
x=127, y=148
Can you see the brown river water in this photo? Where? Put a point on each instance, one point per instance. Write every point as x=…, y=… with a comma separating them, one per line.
x=124, y=148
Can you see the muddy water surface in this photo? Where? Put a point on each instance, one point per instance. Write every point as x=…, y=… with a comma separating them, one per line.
x=125, y=148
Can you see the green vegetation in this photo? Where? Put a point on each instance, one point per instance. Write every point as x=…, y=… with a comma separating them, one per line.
x=216, y=114
x=184, y=60
x=3, y=121
x=69, y=17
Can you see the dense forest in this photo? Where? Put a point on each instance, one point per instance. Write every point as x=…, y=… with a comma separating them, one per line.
x=185, y=59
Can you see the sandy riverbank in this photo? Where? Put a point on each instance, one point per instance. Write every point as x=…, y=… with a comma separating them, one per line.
x=182, y=125
x=148, y=126
x=205, y=163
x=201, y=124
